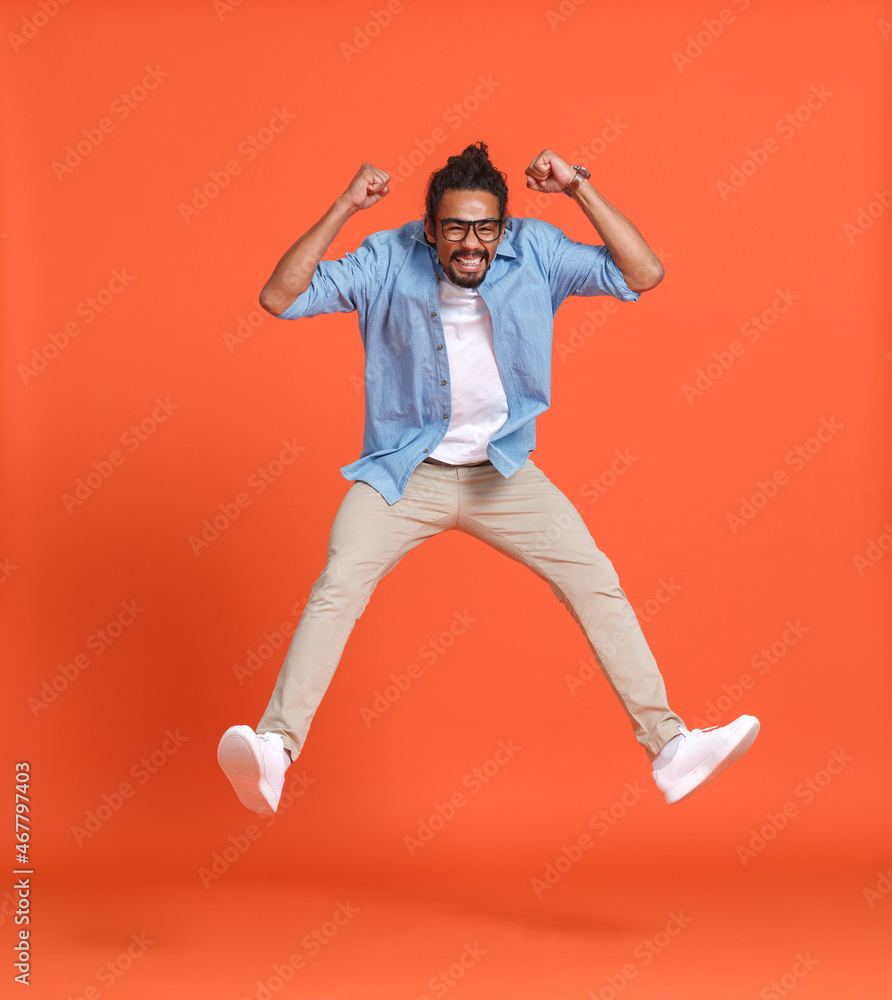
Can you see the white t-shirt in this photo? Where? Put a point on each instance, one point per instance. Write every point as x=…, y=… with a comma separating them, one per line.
x=479, y=406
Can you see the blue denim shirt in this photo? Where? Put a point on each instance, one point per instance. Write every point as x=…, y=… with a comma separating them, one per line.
x=391, y=282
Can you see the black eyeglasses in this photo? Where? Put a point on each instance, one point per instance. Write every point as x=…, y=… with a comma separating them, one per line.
x=456, y=230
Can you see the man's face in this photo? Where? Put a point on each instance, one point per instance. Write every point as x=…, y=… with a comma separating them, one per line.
x=467, y=261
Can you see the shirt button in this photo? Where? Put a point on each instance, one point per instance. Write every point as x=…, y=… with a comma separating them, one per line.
x=425, y=451
x=442, y=383
x=439, y=347
x=433, y=314
x=445, y=416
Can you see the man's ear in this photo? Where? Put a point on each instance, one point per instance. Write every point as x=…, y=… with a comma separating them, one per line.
x=429, y=230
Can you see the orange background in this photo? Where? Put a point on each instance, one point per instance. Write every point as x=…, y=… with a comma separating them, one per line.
x=186, y=327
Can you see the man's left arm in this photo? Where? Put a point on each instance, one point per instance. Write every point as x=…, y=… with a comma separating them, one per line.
x=641, y=268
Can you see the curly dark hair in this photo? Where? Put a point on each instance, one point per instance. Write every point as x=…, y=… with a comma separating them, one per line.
x=472, y=171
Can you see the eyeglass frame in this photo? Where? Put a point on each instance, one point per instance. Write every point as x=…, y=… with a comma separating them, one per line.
x=470, y=224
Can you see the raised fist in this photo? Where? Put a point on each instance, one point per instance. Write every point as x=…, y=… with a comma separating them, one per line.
x=549, y=173
x=368, y=187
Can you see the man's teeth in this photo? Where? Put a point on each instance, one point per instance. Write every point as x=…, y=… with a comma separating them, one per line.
x=469, y=261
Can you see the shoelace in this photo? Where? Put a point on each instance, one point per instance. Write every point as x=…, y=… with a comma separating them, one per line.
x=698, y=732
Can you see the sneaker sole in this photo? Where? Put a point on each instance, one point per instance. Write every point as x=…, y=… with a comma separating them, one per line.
x=713, y=766
x=240, y=764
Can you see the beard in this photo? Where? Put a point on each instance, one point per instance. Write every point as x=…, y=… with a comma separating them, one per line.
x=467, y=279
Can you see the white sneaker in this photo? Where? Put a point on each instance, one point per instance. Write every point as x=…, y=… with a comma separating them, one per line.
x=255, y=765
x=703, y=755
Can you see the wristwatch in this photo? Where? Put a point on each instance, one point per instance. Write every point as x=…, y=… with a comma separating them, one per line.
x=572, y=187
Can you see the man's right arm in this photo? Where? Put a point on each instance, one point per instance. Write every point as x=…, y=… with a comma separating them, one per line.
x=294, y=272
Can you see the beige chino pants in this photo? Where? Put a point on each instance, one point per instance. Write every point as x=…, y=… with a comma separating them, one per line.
x=525, y=517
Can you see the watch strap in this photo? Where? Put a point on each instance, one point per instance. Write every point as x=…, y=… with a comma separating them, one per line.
x=580, y=175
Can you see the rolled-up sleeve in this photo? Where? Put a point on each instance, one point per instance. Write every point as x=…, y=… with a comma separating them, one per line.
x=337, y=285
x=580, y=269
